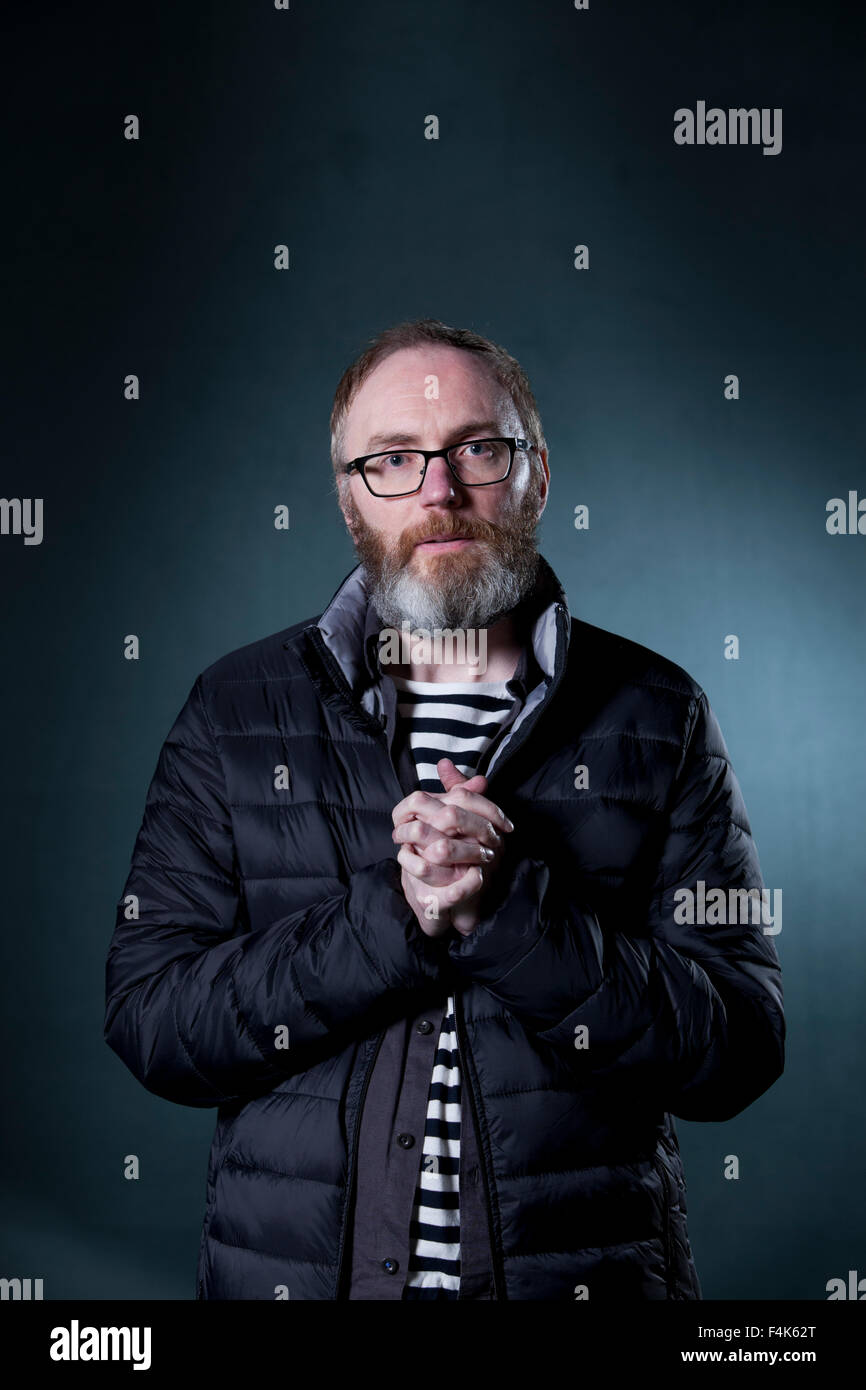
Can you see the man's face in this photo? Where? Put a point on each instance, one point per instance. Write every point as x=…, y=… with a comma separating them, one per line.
x=449, y=555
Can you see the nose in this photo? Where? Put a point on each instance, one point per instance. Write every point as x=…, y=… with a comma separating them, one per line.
x=439, y=484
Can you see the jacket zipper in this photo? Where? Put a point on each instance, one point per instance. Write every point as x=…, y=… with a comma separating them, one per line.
x=467, y=1061
x=515, y=743
x=343, y=1273
x=360, y=715
x=356, y=712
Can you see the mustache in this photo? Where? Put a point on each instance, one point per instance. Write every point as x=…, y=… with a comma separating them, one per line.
x=447, y=528
x=506, y=542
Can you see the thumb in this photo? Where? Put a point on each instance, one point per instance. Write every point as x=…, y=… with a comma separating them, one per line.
x=450, y=776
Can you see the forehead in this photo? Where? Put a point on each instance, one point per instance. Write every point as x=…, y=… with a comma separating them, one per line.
x=425, y=386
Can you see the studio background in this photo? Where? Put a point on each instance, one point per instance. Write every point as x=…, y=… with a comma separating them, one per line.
x=155, y=257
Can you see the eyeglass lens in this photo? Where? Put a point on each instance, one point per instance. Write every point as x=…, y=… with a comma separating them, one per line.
x=476, y=461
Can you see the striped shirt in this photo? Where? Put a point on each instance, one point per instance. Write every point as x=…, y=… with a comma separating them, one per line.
x=456, y=720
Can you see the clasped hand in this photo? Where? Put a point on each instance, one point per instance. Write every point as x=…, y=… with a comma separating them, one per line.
x=451, y=843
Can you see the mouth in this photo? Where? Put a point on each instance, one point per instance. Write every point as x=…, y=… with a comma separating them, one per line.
x=445, y=543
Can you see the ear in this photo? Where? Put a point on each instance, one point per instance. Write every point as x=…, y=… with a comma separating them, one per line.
x=346, y=504
x=543, y=480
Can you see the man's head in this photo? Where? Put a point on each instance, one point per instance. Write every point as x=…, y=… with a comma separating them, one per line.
x=426, y=386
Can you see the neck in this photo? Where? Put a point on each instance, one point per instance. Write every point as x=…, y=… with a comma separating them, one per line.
x=496, y=652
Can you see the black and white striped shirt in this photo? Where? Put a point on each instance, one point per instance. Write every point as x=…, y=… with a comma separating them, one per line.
x=456, y=720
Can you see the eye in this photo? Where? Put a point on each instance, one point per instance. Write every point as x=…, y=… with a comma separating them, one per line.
x=482, y=449
x=395, y=460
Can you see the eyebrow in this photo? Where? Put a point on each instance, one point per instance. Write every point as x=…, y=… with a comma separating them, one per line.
x=477, y=428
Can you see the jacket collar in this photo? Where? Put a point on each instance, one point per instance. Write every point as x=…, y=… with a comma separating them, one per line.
x=351, y=627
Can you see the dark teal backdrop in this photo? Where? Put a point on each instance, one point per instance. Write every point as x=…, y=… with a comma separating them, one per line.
x=707, y=515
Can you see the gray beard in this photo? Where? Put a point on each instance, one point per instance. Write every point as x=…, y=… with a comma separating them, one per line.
x=476, y=600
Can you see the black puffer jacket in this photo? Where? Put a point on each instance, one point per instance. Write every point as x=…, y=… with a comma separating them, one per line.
x=264, y=896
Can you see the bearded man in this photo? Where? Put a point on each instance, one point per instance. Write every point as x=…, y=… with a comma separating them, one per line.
x=413, y=927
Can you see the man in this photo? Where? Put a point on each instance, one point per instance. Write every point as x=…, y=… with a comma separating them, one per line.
x=413, y=920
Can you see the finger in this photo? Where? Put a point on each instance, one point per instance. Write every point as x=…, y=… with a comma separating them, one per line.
x=452, y=818
x=475, y=828
x=422, y=835
x=449, y=773
x=479, y=805
x=462, y=888
x=431, y=874
x=451, y=776
x=415, y=832
x=413, y=805
x=458, y=851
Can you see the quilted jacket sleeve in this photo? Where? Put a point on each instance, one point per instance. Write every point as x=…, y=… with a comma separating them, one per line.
x=193, y=999
x=694, y=1012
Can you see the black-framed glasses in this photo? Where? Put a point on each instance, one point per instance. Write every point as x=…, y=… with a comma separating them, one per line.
x=474, y=463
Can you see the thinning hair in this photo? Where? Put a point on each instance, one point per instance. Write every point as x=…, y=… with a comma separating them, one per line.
x=505, y=369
